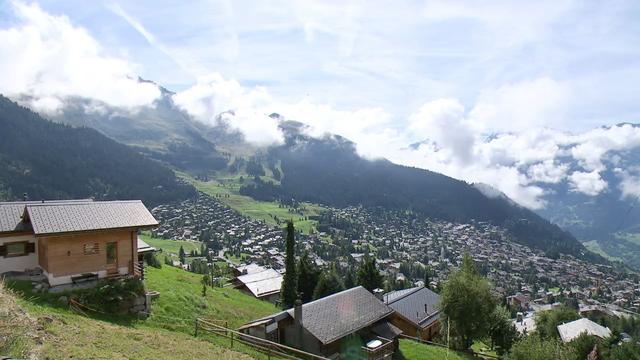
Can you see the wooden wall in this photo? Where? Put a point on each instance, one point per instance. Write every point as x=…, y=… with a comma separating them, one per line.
x=64, y=255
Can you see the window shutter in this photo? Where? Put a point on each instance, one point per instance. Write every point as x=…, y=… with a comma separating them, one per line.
x=3, y=250
x=31, y=248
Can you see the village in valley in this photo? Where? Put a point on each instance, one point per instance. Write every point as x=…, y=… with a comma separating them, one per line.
x=408, y=250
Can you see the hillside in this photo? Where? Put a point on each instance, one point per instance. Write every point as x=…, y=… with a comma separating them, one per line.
x=161, y=131
x=329, y=171
x=166, y=334
x=53, y=161
x=610, y=220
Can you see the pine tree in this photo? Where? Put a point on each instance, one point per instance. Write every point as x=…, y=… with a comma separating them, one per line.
x=328, y=284
x=308, y=276
x=368, y=275
x=182, y=255
x=349, y=281
x=426, y=278
x=289, y=283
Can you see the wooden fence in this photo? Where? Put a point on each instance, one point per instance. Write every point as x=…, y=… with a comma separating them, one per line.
x=267, y=347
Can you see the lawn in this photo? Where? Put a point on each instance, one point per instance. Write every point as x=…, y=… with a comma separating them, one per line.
x=226, y=190
x=413, y=350
x=171, y=246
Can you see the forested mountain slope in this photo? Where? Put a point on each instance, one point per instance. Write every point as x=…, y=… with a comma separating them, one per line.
x=47, y=160
x=329, y=171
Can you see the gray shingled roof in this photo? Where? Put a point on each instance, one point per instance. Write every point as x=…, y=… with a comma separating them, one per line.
x=410, y=303
x=341, y=314
x=86, y=216
x=11, y=214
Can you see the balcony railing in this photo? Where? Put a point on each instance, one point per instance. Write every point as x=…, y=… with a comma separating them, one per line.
x=138, y=269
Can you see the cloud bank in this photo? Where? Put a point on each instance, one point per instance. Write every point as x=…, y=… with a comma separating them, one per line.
x=47, y=59
x=506, y=136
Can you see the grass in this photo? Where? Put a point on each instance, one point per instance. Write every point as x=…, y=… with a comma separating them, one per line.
x=411, y=350
x=226, y=189
x=595, y=247
x=166, y=334
x=181, y=298
x=171, y=246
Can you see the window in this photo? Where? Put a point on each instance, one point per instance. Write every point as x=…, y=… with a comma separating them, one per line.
x=91, y=248
x=16, y=249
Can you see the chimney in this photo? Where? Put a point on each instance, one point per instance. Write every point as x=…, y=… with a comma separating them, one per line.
x=297, y=318
x=426, y=309
x=25, y=197
x=297, y=312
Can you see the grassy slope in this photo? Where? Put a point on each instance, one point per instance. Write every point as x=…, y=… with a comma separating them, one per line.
x=594, y=247
x=171, y=246
x=166, y=334
x=181, y=298
x=226, y=190
x=410, y=349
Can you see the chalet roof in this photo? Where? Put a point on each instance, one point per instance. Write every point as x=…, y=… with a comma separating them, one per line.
x=55, y=218
x=418, y=305
x=265, y=282
x=572, y=330
x=11, y=213
x=143, y=247
x=338, y=315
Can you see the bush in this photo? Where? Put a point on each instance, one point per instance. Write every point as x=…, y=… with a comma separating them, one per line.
x=151, y=260
x=110, y=296
x=535, y=348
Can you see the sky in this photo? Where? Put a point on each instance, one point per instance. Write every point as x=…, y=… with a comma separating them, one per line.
x=498, y=92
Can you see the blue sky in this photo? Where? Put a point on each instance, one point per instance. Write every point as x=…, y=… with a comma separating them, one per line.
x=499, y=92
x=397, y=55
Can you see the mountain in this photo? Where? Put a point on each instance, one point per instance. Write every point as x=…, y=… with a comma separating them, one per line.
x=609, y=221
x=161, y=131
x=47, y=160
x=329, y=171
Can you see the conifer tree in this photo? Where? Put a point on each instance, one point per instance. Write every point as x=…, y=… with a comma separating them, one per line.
x=182, y=255
x=308, y=275
x=328, y=284
x=289, y=283
x=368, y=275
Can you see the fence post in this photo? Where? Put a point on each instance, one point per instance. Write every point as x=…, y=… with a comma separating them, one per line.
x=232, y=340
x=196, y=327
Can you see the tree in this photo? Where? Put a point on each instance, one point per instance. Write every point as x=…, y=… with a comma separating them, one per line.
x=467, y=303
x=368, y=275
x=290, y=281
x=501, y=331
x=426, y=278
x=328, y=284
x=182, y=255
x=349, y=281
x=535, y=348
x=547, y=321
x=308, y=275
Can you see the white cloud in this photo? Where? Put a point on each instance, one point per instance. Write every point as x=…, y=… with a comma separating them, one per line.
x=244, y=109
x=48, y=59
x=541, y=102
x=589, y=183
x=548, y=171
x=630, y=182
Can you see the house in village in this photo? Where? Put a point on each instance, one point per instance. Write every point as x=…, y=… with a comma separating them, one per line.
x=416, y=311
x=73, y=240
x=262, y=283
x=353, y=321
x=573, y=329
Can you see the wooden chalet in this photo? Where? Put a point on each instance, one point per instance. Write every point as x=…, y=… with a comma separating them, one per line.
x=70, y=241
x=417, y=311
x=352, y=321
